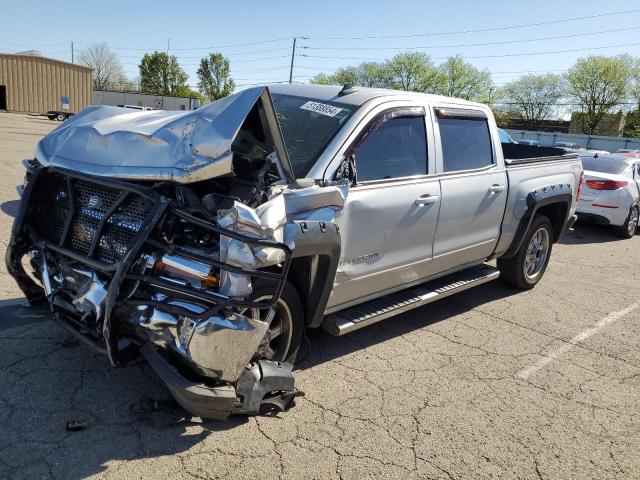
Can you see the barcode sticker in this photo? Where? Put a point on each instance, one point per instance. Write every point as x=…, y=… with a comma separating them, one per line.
x=322, y=108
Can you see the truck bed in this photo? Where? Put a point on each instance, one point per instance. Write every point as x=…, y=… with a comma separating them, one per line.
x=517, y=154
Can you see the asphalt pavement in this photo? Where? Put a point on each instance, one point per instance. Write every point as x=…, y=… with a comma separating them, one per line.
x=491, y=383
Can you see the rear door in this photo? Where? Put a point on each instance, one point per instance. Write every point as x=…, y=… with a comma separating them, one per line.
x=473, y=186
x=389, y=220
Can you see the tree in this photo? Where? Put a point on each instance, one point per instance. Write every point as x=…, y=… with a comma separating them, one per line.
x=186, y=91
x=365, y=75
x=598, y=84
x=460, y=79
x=107, y=69
x=213, y=74
x=632, y=124
x=634, y=84
x=533, y=98
x=161, y=74
x=412, y=71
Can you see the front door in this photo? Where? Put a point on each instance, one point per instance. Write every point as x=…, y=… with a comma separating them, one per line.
x=389, y=219
x=474, y=189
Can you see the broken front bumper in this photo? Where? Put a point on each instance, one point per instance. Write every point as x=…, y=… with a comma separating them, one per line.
x=89, y=236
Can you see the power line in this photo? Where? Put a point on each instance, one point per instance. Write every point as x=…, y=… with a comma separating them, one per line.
x=235, y=61
x=226, y=55
x=479, y=30
x=35, y=46
x=504, y=42
x=259, y=42
x=491, y=56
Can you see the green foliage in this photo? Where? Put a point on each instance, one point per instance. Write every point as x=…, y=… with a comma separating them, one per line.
x=414, y=71
x=161, y=74
x=598, y=84
x=632, y=124
x=460, y=79
x=214, y=81
x=364, y=75
x=533, y=98
x=501, y=116
x=186, y=91
x=634, y=83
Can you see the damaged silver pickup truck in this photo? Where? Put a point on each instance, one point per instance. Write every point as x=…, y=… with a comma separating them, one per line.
x=207, y=241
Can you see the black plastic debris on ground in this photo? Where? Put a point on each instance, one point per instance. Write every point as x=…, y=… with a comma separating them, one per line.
x=76, y=425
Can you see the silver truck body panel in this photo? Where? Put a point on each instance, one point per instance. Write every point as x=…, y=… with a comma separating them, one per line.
x=475, y=217
x=526, y=178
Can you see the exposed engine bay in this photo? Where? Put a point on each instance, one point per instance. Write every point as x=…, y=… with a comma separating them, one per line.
x=170, y=269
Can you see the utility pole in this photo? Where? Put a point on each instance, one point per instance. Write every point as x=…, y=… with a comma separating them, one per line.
x=167, y=72
x=293, y=55
x=72, y=52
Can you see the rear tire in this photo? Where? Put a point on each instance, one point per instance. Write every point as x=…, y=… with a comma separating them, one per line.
x=525, y=269
x=61, y=117
x=628, y=230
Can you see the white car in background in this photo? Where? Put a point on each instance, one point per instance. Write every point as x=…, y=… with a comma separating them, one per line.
x=610, y=192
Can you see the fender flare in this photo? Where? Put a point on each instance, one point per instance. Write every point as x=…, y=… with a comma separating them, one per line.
x=536, y=199
x=319, y=243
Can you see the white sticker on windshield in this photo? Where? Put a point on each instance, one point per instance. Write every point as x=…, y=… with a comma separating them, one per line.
x=322, y=108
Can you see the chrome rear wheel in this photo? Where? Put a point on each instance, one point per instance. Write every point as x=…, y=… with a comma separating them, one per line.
x=632, y=222
x=537, y=252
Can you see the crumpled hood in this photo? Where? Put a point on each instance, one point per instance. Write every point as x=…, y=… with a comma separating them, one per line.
x=151, y=145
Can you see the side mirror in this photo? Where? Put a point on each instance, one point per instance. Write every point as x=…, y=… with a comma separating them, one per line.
x=347, y=170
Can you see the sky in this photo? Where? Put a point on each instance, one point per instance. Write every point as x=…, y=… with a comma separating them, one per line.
x=257, y=36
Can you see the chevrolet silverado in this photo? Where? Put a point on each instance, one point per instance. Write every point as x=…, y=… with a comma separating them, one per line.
x=207, y=241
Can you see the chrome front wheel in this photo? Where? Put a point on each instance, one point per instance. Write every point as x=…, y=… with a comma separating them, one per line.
x=286, y=324
x=277, y=341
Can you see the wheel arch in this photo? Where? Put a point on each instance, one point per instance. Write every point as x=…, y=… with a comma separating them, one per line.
x=549, y=201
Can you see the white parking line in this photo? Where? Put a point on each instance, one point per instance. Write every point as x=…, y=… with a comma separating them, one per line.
x=581, y=337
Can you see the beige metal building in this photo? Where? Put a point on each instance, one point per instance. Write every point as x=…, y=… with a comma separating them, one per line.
x=31, y=83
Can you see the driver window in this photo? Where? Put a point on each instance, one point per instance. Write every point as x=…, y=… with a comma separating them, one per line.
x=396, y=148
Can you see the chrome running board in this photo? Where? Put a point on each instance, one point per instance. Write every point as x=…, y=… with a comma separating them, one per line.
x=394, y=304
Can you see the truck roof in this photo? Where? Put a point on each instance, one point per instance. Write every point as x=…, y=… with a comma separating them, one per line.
x=358, y=96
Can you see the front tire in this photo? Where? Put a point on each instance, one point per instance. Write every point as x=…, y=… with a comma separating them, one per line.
x=61, y=117
x=525, y=269
x=284, y=336
x=628, y=230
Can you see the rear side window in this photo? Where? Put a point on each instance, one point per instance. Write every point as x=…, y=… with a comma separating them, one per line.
x=396, y=148
x=466, y=143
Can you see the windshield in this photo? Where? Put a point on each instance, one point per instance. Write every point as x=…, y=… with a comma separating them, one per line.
x=604, y=165
x=308, y=126
x=504, y=136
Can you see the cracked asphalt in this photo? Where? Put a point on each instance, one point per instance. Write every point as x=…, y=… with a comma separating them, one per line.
x=445, y=391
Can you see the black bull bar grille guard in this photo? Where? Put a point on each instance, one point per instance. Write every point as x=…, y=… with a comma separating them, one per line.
x=105, y=224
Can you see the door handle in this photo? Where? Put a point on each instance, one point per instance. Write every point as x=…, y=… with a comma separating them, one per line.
x=426, y=200
x=496, y=188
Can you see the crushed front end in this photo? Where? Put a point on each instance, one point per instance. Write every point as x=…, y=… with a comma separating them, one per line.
x=155, y=268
